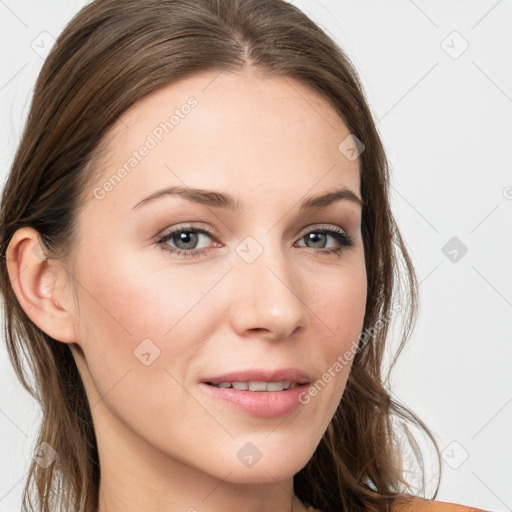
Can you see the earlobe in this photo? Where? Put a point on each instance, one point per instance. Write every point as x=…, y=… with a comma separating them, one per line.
x=34, y=280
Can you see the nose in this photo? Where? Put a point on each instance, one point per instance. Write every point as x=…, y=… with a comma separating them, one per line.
x=267, y=296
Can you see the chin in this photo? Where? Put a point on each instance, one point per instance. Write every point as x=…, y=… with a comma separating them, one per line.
x=264, y=462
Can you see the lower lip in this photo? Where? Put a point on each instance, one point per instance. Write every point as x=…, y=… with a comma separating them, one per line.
x=265, y=404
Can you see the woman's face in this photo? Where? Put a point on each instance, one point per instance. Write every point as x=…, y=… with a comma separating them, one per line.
x=259, y=289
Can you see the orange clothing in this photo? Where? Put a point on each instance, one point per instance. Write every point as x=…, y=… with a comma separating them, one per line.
x=417, y=504
x=423, y=505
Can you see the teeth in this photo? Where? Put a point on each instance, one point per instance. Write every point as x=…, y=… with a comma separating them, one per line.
x=273, y=386
x=255, y=385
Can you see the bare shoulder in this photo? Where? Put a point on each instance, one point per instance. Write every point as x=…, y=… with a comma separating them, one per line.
x=416, y=504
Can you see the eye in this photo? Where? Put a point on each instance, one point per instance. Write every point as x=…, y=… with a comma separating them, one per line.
x=185, y=239
x=320, y=235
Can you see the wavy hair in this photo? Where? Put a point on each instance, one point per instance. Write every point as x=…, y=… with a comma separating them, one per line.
x=112, y=54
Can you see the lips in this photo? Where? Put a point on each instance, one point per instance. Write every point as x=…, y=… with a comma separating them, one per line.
x=270, y=404
x=262, y=375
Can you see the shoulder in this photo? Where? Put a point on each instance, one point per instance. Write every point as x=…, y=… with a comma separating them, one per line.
x=416, y=504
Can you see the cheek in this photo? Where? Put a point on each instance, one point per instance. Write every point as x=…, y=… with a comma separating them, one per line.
x=339, y=305
x=141, y=330
x=132, y=299
x=134, y=313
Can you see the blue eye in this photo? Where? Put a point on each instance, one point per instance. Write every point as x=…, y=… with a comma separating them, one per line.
x=185, y=239
x=321, y=235
x=184, y=236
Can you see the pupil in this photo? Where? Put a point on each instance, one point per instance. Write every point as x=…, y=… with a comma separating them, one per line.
x=182, y=237
x=312, y=237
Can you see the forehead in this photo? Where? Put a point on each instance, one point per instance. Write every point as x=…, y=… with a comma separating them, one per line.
x=227, y=130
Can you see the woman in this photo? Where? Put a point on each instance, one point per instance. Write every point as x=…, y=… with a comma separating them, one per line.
x=201, y=268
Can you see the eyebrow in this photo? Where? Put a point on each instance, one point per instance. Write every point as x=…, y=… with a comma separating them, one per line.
x=225, y=201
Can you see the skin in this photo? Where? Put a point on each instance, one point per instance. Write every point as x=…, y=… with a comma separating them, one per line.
x=164, y=444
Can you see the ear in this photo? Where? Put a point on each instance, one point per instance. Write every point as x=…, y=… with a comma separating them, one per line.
x=35, y=281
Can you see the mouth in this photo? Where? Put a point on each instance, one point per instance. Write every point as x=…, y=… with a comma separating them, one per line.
x=255, y=385
x=258, y=398
x=260, y=379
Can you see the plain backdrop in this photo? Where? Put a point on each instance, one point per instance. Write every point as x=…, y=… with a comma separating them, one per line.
x=438, y=77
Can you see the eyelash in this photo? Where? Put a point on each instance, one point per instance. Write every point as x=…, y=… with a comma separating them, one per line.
x=341, y=236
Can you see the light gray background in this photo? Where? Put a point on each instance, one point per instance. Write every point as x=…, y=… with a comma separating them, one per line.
x=446, y=121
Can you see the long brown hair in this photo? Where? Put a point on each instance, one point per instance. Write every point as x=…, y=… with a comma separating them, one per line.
x=112, y=54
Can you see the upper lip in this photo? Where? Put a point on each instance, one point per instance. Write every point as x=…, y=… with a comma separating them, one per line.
x=260, y=374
